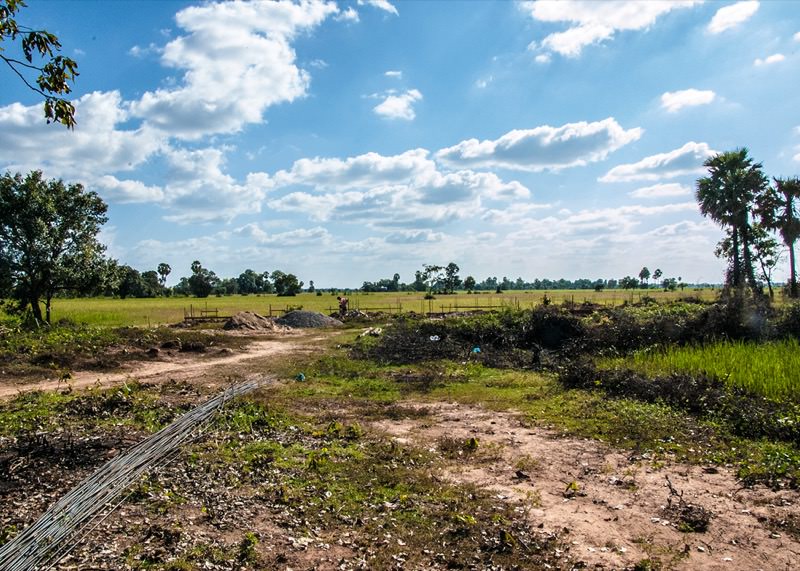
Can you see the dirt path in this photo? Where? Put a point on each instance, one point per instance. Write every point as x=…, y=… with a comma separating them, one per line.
x=608, y=506
x=178, y=367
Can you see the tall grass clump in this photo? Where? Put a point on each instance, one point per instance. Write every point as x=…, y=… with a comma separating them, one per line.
x=770, y=369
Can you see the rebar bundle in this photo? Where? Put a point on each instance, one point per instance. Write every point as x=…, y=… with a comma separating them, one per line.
x=65, y=523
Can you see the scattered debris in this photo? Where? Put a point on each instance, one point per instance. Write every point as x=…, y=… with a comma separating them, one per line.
x=372, y=332
x=688, y=517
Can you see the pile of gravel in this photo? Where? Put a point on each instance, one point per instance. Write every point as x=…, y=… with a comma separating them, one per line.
x=248, y=320
x=308, y=319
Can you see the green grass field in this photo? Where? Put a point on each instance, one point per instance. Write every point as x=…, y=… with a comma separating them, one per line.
x=155, y=311
x=769, y=369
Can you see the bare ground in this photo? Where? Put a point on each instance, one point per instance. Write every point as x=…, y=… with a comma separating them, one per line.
x=167, y=366
x=609, y=505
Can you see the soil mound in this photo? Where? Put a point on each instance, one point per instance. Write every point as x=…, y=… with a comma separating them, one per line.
x=308, y=319
x=250, y=321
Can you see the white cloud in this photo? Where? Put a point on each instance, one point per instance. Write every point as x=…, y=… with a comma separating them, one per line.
x=731, y=16
x=592, y=22
x=671, y=189
x=349, y=15
x=674, y=101
x=414, y=237
x=400, y=190
x=384, y=5
x=395, y=74
x=543, y=148
x=127, y=190
x=796, y=37
x=198, y=189
x=363, y=171
x=139, y=52
x=774, y=58
x=543, y=58
x=300, y=237
x=683, y=161
x=399, y=106
x=96, y=147
x=238, y=61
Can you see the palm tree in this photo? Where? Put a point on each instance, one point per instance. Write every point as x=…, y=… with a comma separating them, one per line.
x=726, y=196
x=779, y=210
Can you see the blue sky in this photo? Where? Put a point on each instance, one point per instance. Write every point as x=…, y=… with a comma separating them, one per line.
x=347, y=141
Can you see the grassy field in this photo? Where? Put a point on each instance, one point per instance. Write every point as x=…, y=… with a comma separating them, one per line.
x=149, y=312
x=768, y=369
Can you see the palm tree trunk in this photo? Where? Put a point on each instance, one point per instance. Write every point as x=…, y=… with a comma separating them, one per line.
x=792, y=272
x=750, y=273
x=737, y=263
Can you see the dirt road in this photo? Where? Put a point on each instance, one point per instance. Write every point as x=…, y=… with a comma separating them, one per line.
x=178, y=367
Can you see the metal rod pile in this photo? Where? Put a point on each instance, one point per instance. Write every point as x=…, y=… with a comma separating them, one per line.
x=57, y=531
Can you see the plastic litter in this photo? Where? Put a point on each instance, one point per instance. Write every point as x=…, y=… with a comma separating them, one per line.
x=300, y=377
x=435, y=337
x=476, y=349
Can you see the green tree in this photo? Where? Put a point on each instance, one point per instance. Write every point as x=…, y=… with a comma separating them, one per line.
x=48, y=239
x=451, y=281
x=657, y=274
x=432, y=276
x=779, y=209
x=469, y=283
x=644, y=275
x=765, y=251
x=202, y=281
x=735, y=183
x=628, y=282
x=286, y=284
x=130, y=283
x=163, y=270
x=55, y=72
x=419, y=281
x=152, y=285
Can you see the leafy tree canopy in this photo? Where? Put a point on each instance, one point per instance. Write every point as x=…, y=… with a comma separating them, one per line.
x=38, y=58
x=48, y=239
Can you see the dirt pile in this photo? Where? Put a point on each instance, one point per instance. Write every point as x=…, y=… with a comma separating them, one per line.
x=307, y=319
x=250, y=321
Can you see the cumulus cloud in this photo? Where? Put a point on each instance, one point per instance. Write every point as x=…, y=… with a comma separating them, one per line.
x=670, y=190
x=593, y=224
x=127, y=190
x=362, y=171
x=731, y=16
x=683, y=161
x=796, y=37
x=140, y=52
x=674, y=101
x=394, y=73
x=394, y=190
x=300, y=237
x=593, y=22
x=237, y=61
x=384, y=5
x=198, y=189
x=349, y=15
x=774, y=58
x=542, y=148
x=414, y=237
x=97, y=146
x=399, y=106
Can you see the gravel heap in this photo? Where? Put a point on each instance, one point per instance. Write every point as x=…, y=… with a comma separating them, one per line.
x=307, y=319
x=248, y=320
